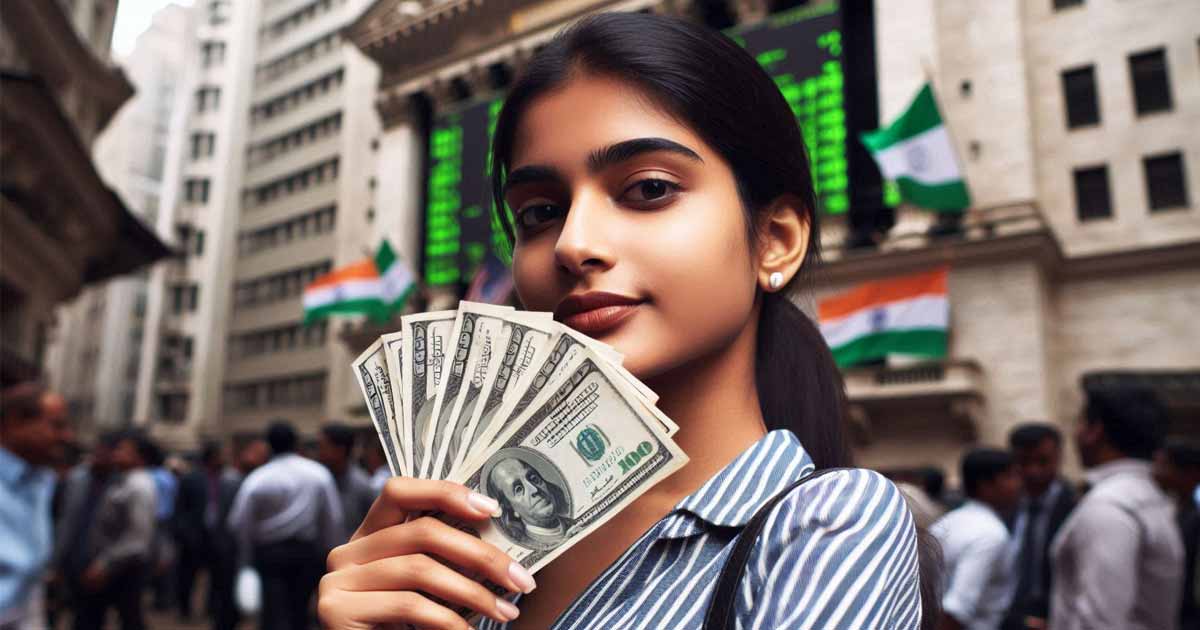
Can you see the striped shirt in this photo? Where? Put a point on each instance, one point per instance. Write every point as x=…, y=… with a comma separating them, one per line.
x=838, y=553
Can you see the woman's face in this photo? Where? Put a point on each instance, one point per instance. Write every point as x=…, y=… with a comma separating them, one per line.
x=629, y=227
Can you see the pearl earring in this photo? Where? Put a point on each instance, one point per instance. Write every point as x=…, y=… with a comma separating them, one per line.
x=775, y=280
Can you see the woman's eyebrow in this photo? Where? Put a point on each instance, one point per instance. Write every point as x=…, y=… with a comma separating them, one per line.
x=598, y=160
x=533, y=174
x=605, y=157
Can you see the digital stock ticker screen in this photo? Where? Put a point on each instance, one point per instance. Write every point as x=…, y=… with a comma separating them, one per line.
x=803, y=51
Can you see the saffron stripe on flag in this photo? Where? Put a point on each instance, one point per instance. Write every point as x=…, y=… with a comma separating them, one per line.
x=881, y=292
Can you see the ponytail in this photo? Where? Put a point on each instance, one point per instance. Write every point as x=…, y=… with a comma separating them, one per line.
x=800, y=389
x=799, y=385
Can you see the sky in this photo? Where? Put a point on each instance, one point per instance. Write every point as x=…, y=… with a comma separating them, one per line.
x=133, y=18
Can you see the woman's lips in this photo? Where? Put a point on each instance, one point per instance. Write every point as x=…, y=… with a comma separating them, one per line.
x=599, y=320
x=596, y=312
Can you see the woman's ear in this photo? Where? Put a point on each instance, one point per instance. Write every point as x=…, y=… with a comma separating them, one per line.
x=783, y=231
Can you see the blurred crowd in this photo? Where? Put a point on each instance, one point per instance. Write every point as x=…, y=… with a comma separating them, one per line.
x=86, y=539
x=128, y=525
x=1024, y=548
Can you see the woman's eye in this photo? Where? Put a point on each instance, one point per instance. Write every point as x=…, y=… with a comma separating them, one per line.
x=535, y=216
x=651, y=190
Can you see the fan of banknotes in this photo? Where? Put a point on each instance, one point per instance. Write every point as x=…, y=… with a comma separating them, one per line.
x=520, y=408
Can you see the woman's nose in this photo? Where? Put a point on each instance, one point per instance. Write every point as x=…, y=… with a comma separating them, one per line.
x=582, y=245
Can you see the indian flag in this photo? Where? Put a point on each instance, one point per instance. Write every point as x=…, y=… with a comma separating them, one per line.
x=908, y=315
x=916, y=152
x=373, y=286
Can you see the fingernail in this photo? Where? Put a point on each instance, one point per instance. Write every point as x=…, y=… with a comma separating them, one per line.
x=521, y=578
x=484, y=504
x=506, y=609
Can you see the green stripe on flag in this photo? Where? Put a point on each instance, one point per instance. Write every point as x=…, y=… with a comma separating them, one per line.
x=951, y=196
x=926, y=342
x=371, y=307
x=922, y=115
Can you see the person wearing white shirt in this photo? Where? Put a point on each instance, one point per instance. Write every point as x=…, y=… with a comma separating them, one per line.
x=288, y=515
x=1118, y=559
x=978, y=581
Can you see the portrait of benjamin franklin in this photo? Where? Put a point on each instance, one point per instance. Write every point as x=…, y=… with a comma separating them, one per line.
x=534, y=500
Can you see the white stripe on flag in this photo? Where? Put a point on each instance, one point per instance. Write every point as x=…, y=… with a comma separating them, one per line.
x=927, y=157
x=342, y=291
x=926, y=311
x=396, y=281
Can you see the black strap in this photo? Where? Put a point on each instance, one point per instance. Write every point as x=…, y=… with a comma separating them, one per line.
x=724, y=600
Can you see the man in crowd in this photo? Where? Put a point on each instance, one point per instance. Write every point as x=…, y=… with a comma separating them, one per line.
x=1046, y=501
x=165, y=551
x=121, y=538
x=1118, y=560
x=205, y=495
x=288, y=516
x=79, y=496
x=251, y=453
x=1177, y=469
x=977, y=583
x=336, y=450
x=33, y=435
x=376, y=462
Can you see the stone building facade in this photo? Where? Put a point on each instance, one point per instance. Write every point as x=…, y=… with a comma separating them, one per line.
x=63, y=228
x=1053, y=276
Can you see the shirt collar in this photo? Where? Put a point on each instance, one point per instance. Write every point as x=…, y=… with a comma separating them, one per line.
x=733, y=495
x=1125, y=466
x=14, y=469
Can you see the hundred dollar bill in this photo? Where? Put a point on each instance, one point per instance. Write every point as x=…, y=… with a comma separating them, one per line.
x=371, y=372
x=526, y=343
x=393, y=353
x=426, y=338
x=476, y=335
x=580, y=454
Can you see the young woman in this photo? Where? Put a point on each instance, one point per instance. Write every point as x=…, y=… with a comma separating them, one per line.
x=661, y=201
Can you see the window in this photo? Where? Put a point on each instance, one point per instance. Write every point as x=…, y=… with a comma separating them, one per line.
x=208, y=99
x=1059, y=5
x=1165, y=183
x=172, y=407
x=195, y=190
x=212, y=53
x=278, y=286
x=185, y=298
x=296, y=182
x=1079, y=92
x=203, y=143
x=294, y=98
x=218, y=12
x=1092, y=198
x=1151, y=86
x=292, y=391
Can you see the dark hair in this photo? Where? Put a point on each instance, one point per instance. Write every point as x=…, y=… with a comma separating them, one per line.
x=210, y=450
x=282, y=437
x=340, y=435
x=933, y=480
x=1030, y=434
x=108, y=439
x=982, y=465
x=709, y=83
x=147, y=449
x=1134, y=420
x=22, y=401
x=1183, y=453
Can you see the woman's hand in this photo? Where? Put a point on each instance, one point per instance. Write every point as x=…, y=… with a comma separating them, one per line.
x=389, y=570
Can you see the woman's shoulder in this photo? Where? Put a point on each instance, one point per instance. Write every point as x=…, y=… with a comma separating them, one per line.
x=838, y=551
x=842, y=498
